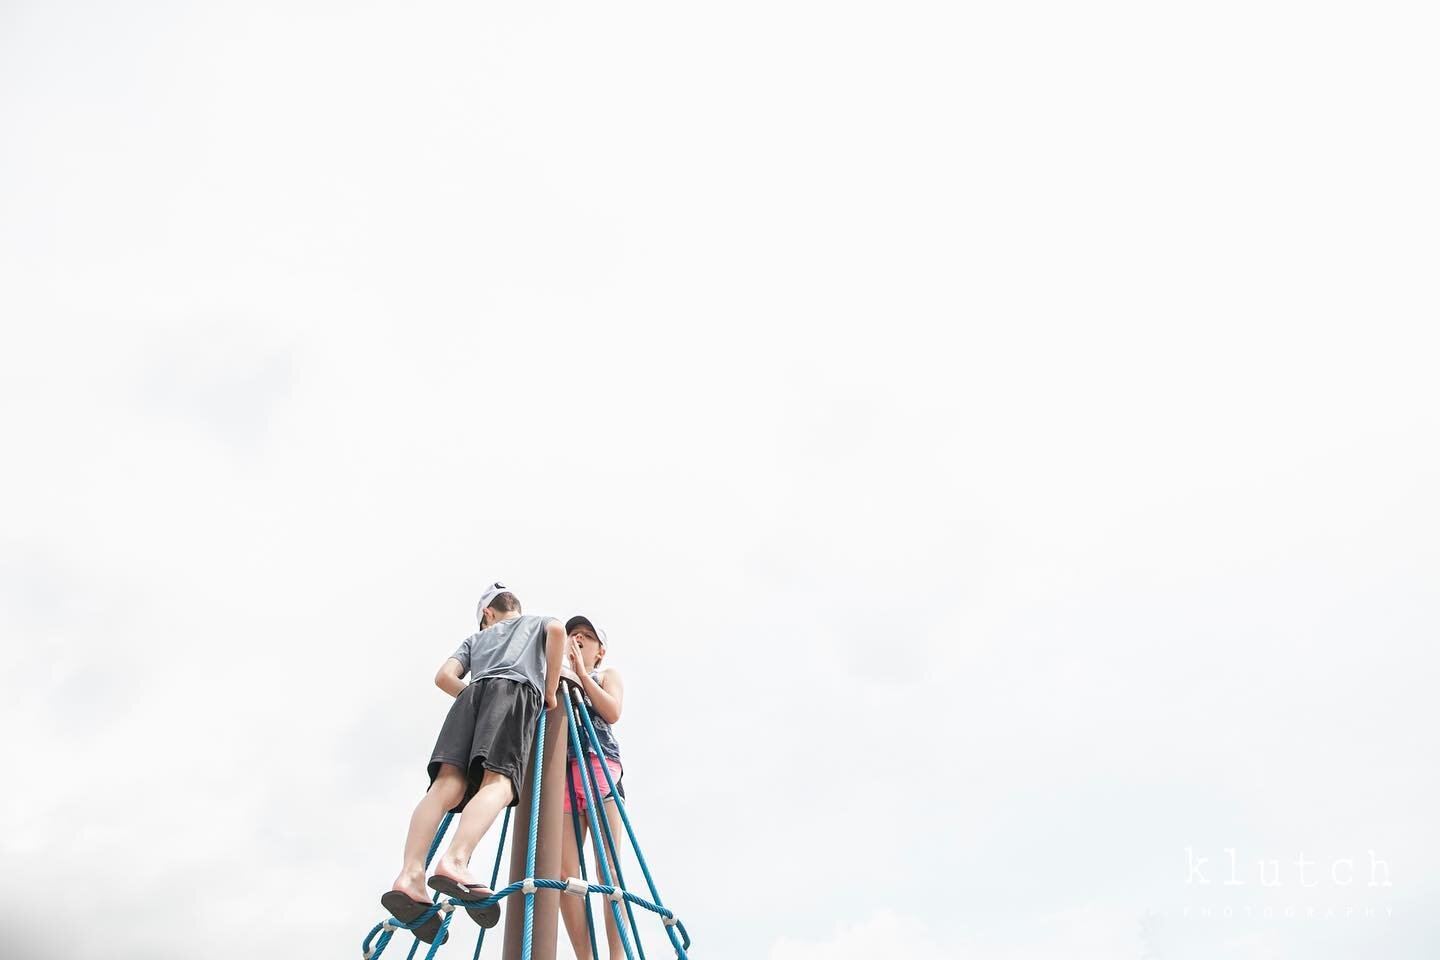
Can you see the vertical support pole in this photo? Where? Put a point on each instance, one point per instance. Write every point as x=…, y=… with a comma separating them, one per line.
x=546, y=919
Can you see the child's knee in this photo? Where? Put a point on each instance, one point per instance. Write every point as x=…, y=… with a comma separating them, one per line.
x=449, y=784
x=494, y=780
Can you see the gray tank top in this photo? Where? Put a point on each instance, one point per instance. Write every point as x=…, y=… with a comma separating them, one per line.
x=603, y=731
x=511, y=649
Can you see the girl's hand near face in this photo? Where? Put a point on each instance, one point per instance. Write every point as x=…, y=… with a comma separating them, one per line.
x=577, y=659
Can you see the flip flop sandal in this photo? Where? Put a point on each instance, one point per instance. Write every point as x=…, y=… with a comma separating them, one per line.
x=487, y=917
x=406, y=910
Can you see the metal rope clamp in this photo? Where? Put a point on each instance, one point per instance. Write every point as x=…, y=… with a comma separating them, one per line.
x=527, y=886
x=577, y=887
x=386, y=927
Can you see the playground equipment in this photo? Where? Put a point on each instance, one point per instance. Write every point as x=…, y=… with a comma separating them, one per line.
x=531, y=924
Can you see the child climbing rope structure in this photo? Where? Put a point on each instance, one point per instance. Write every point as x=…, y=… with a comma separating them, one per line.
x=525, y=655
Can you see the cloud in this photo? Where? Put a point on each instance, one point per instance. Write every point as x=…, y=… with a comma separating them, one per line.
x=884, y=933
x=999, y=443
x=1087, y=933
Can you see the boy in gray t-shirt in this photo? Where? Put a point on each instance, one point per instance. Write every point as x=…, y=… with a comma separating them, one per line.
x=475, y=768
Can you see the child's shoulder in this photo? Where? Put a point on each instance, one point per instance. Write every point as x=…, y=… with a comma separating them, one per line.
x=535, y=624
x=529, y=620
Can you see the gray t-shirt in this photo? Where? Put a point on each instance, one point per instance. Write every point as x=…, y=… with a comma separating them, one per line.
x=513, y=649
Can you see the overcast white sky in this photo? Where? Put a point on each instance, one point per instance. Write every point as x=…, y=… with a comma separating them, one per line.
x=1000, y=439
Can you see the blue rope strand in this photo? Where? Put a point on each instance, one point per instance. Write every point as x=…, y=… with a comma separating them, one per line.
x=494, y=875
x=439, y=835
x=439, y=937
x=580, y=854
x=625, y=818
x=605, y=836
x=539, y=755
x=587, y=777
x=674, y=929
x=543, y=883
x=434, y=897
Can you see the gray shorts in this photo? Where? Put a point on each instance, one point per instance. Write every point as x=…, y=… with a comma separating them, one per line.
x=491, y=726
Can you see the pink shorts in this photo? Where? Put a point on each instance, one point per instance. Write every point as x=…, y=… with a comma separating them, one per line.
x=575, y=777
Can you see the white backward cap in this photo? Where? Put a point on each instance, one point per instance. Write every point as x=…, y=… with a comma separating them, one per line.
x=486, y=598
x=580, y=620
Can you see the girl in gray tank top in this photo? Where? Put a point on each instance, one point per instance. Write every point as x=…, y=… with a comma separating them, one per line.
x=604, y=693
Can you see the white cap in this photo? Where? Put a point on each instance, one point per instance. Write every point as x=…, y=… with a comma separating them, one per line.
x=488, y=597
x=579, y=620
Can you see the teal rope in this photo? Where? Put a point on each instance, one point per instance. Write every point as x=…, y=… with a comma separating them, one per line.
x=603, y=889
x=580, y=854
x=416, y=945
x=439, y=935
x=380, y=935
x=439, y=835
x=605, y=835
x=538, y=752
x=625, y=818
x=434, y=846
x=494, y=875
x=587, y=777
x=434, y=897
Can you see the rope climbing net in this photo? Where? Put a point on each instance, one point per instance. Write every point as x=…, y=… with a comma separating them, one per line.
x=612, y=888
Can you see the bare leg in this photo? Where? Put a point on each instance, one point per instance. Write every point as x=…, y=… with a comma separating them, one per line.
x=477, y=817
x=617, y=831
x=572, y=909
x=444, y=793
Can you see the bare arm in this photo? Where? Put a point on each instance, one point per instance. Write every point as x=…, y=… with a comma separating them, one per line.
x=554, y=656
x=608, y=695
x=447, y=678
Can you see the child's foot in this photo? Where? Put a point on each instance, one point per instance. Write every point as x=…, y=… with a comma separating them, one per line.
x=407, y=910
x=412, y=885
x=461, y=884
x=457, y=873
